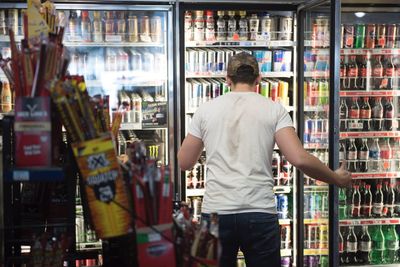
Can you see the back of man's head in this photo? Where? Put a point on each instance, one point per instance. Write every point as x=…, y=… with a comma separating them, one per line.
x=243, y=68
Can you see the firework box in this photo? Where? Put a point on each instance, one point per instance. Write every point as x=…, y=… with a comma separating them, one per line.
x=153, y=248
x=33, y=140
x=154, y=114
x=106, y=194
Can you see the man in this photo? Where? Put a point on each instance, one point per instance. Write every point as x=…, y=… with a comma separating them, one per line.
x=239, y=131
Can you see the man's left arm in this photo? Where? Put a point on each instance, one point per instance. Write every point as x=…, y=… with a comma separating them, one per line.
x=190, y=152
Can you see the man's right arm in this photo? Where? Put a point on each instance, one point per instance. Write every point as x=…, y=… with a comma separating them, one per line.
x=291, y=147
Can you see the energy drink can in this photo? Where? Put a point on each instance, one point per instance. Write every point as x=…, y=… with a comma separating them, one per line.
x=3, y=27
x=276, y=165
x=274, y=90
x=197, y=92
x=133, y=28
x=206, y=91
x=211, y=61
x=285, y=29
x=390, y=35
x=274, y=28
x=216, y=88
x=228, y=54
x=144, y=29
x=156, y=29
x=283, y=206
x=264, y=88
x=220, y=61
x=202, y=61
x=370, y=36
x=193, y=61
x=283, y=91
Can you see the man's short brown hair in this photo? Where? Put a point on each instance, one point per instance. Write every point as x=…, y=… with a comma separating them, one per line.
x=243, y=68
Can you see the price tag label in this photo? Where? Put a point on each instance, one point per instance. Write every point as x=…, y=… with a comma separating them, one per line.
x=21, y=176
x=113, y=38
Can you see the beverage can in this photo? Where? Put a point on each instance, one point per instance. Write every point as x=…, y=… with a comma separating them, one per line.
x=283, y=206
x=274, y=90
x=285, y=261
x=359, y=36
x=283, y=92
x=156, y=29
x=228, y=54
x=144, y=29
x=285, y=29
x=274, y=28
x=216, y=89
x=285, y=236
x=189, y=27
x=197, y=92
x=133, y=28
x=3, y=27
x=348, y=37
x=202, y=61
x=193, y=61
x=380, y=36
x=307, y=130
x=277, y=60
x=211, y=61
x=370, y=36
x=286, y=170
x=323, y=92
x=390, y=35
x=221, y=63
x=323, y=236
x=264, y=88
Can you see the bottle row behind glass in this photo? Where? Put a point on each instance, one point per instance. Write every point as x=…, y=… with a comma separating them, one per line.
x=230, y=26
x=316, y=261
x=369, y=72
x=316, y=236
x=368, y=114
x=371, y=154
x=370, y=198
x=370, y=35
x=374, y=244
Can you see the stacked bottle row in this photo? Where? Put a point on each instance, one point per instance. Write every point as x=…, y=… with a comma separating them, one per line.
x=368, y=114
x=370, y=198
x=369, y=72
x=98, y=26
x=316, y=261
x=370, y=36
x=199, y=91
x=139, y=61
x=371, y=154
x=215, y=61
x=316, y=205
x=374, y=244
x=282, y=170
x=316, y=236
x=195, y=177
x=236, y=26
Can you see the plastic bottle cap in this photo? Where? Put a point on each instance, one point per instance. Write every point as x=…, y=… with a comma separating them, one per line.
x=209, y=13
x=242, y=13
x=221, y=13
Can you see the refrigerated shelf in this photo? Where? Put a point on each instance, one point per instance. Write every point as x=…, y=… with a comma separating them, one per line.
x=138, y=126
x=272, y=74
x=285, y=221
x=280, y=189
x=284, y=253
x=316, y=74
x=316, y=221
x=195, y=192
x=141, y=83
x=370, y=134
x=316, y=188
x=356, y=93
x=369, y=221
x=316, y=108
x=275, y=43
x=375, y=175
x=312, y=252
x=364, y=51
x=111, y=44
x=316, y=146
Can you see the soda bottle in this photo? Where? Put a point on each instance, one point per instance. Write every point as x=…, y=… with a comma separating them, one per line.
x=341, y=249
x=221, y=26
x=352, y=74
x=396, y=154
x=365, y=114
x=86, y=26
x=254, y=24
x=391, y=244
x=377, y=72
x=389, y=74
x=210, y=23
x=342, y=204
x=355, y=202
x=385, y=190
x=73, y=26
x=366, y=205
x=397, y=199
x=343, y=71
x=362, y=73
x=351, y=246
x=365, y=246
x=352, y=157
x=344, y=114
x=342, y=152
x=377, y=207
x=377, y=114
x=243, y=26
x=378, y=245
x=390, y=201
x=374, y=156
x=386, y=155
x=97, y=27
x=388, y=114
x=354, y=115
x=232, y=25
x=363, y=156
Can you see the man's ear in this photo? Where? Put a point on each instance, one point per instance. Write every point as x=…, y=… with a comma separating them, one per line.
x=258, y=80
x=228, y=81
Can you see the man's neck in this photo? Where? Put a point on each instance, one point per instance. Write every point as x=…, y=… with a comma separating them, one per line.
x=243, y=87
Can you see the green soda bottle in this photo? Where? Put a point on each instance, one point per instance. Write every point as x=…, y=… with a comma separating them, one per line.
x=342, y=204
x=323, y=261
x=391, y=244
x=378, y=245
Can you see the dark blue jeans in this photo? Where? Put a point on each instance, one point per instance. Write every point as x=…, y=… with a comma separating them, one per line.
x=256, y=234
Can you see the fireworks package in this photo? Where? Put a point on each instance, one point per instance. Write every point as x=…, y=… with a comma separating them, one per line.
x=152, y=194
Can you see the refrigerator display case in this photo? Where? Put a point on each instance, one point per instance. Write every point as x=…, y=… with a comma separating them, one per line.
x=369, y=134
x=211, y=35
x=124, y=52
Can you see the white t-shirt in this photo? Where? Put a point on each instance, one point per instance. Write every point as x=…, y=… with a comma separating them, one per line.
x=238, y=132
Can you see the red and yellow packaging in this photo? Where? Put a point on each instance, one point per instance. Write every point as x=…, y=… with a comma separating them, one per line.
x=107, y=198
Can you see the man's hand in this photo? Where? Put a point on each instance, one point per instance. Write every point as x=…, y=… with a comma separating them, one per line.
x=343, y=176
